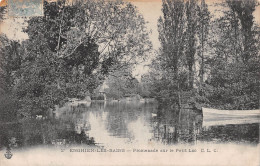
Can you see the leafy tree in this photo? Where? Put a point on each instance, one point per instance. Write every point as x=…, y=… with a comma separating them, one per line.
x=121, y=83
x=145, y=88
x=244, y=11
x=203, y=32
x=225, y=50
x=9, y=66
x=191, y=31
x=233, y=79
x=2, y=13
x=171, y=32
x=171, y=29
x=73, y=47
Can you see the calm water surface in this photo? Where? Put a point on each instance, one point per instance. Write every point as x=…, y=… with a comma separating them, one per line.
x=122, y=124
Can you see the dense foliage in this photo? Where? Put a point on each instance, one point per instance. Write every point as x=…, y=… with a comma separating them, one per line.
x=70, y=50
x=121, y=83
x=205, y=59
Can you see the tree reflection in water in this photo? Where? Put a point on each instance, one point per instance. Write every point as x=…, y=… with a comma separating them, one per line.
x=108, y=123
x=171, y=127
x=51, y=132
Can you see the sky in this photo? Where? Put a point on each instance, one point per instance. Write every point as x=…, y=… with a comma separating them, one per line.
x=151, y=12
x=150, y=9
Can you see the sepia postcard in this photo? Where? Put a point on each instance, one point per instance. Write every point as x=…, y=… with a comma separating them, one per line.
x=129, y=82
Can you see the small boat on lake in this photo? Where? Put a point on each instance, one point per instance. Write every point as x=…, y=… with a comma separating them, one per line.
x=215, y=117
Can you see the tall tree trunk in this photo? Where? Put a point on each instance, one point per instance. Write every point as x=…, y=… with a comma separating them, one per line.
x=202, y=58
x=203, y=31
x=191, y=78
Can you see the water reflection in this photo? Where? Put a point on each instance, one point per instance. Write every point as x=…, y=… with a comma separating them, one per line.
x=119, y=124
x=172, y=127
x=42, y=132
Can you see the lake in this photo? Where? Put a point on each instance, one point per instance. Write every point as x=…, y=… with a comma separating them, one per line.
x=122, y=124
